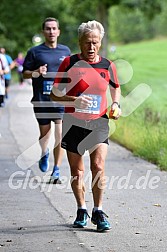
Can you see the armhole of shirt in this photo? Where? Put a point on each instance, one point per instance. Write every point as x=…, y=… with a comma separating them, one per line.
x=113, y=78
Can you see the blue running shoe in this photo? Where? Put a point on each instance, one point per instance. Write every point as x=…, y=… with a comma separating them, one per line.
x=55, y=175
x=81, y=220
x=44, y=162
x=56, y=172
x=99, y=219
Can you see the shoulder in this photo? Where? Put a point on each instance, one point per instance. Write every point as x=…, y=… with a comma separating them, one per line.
x=9, y=58
x=63, y=47
x=2, y=57
x=3, y=60
x=36, y=48
x=71, y=60
x=68, y=62
x=106, y=61
x=108, y=64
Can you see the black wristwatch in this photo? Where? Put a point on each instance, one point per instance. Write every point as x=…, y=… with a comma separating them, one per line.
x=117, y=104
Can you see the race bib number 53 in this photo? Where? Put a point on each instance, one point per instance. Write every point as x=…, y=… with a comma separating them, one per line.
x=94, y=107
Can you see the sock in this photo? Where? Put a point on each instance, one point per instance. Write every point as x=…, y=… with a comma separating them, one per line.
x=46, y=152
x=82, y=207
x=97, y=208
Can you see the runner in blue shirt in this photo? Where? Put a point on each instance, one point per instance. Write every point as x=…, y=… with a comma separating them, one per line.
x=41, y=63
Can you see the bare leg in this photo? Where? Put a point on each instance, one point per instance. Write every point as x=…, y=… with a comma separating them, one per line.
x=97, y=162
x=44, y=136
x=77, y=173
x=58, y=151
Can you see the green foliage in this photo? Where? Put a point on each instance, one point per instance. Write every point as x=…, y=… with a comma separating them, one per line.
x=21, y=20
x=160, y=21
x=144, y=138
x=127, y=26
x=149, y=7
x=144, y=131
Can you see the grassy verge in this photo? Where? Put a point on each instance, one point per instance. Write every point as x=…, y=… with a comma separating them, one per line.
x=144, y=131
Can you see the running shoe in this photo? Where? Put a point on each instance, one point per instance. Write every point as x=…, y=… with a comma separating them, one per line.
x=44, y=162
x=81, y=220
x=55, y=176
x=99, y=219
x=56, y=173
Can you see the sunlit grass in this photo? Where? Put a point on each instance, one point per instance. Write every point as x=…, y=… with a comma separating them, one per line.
x=144, y=131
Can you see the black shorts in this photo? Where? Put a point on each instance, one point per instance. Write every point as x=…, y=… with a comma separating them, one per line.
x=81, y=135
x=7, y=83
x=45, y=115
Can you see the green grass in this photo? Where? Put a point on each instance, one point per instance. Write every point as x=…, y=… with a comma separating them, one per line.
x=144, y=131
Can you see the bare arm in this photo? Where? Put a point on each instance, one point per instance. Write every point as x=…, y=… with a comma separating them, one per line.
x=115, y=107
x=115, y=94
x=72, y=101
x=12, y=65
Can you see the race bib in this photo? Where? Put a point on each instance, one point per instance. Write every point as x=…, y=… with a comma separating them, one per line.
x=47, y=86
x=94, y=107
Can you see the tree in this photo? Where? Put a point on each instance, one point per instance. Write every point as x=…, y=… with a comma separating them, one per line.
x=19, y=26
x=99, y=10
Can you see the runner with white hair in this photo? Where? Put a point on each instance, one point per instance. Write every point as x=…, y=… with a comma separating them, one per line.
x=88, y=27
x=85, y=125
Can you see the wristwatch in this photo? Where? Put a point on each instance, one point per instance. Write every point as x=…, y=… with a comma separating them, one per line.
x=117, y=104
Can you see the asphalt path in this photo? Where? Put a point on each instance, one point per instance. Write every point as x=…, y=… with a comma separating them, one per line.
x=38, y=216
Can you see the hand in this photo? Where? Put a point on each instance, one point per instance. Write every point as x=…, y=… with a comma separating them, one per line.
x=43, y=69
x=115, y=111
x=82, y=101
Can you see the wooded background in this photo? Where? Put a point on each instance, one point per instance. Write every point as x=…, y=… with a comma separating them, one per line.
x=125, y=21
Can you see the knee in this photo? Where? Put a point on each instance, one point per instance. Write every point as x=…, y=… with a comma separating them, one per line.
x=44, y=137
x=97, y=167
x=77, y=175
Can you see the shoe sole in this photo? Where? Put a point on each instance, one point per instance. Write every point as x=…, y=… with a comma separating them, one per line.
x=54, y=181
x=103, y=230
x=78, y=226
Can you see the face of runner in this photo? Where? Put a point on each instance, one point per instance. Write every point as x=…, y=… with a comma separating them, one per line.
x=90, y=44
x=51, y=32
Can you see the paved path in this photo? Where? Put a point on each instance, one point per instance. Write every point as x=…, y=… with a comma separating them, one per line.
x=36, y=216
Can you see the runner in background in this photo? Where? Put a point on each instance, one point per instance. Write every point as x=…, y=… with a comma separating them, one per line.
x=41, y=64
x=8, y=76
x=4, y=69
x=19, y=64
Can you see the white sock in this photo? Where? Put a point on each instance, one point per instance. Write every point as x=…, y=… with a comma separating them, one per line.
x=97, y=208
x=82, y=207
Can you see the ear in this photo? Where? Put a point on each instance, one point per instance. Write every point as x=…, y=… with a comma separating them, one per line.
x=58, y=33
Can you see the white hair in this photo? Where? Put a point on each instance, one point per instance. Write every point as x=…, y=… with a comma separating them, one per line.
x=89, y=27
